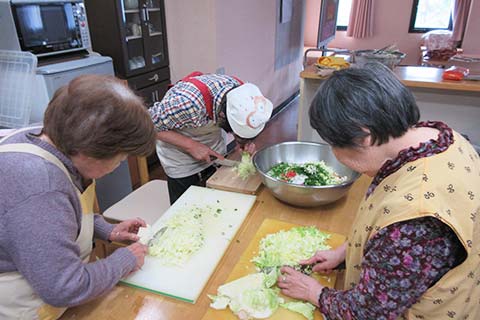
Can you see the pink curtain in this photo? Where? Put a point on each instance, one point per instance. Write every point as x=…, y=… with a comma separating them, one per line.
x=360, y=24
x=461, y=10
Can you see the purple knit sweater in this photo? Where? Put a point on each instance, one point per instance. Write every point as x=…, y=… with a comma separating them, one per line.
x=40, y=217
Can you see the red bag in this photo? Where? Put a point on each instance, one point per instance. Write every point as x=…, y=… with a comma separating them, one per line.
x=455, y=73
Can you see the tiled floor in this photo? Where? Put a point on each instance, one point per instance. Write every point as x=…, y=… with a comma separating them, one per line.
x=283, y=127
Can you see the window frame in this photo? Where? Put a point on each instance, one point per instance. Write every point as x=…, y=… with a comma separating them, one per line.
x=341, y=28
x=413, y=17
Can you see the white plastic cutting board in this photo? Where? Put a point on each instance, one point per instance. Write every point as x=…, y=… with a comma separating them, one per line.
x=187, y=282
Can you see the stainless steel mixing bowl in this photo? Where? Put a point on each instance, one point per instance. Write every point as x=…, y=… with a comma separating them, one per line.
x=301, y=152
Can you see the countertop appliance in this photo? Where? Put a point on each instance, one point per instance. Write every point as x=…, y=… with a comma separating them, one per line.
x=44, y=27
x=52, y=76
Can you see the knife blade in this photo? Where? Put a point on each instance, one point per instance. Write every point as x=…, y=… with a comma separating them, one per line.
x=226, y=162
x=157, y=235
x=147, y=235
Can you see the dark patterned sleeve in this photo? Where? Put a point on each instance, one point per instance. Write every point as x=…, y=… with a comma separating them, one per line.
x=400, y=263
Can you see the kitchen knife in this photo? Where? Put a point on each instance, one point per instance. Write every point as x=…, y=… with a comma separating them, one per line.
x=226, y=162
x=147, y=235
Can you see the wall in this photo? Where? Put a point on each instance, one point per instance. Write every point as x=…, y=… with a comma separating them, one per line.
x=191, y=37
x=238, y=36
x=246, y=36
x=391, y=22
x=312, y=16
x=471, y=39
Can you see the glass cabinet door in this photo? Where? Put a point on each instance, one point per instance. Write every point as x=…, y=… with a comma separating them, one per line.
x=154, y=27
x=132, y=16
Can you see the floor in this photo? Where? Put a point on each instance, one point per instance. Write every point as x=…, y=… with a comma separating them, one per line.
x=282, y=127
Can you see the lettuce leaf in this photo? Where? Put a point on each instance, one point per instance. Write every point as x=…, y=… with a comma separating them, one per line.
x=304, y=308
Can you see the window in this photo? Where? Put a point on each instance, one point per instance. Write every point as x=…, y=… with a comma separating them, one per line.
x=430, y=15
x=343, y=15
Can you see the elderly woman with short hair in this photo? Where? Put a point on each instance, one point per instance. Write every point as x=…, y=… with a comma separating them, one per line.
x=413, y=250
x=47, y=193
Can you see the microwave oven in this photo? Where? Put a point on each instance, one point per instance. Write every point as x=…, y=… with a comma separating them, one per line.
x=45, y=27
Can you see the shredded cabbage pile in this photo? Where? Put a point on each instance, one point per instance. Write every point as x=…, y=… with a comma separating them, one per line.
x=289, y=247
x=255, y=295
x=246, y=168
x=183, y=236
x=308, y=174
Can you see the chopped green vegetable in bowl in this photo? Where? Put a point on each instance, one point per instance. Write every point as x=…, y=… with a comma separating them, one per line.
x=308, y=174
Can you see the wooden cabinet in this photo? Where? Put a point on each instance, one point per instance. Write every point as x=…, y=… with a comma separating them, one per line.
x=133, y=33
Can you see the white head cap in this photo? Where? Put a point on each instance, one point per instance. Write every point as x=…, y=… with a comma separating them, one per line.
x=247, y=110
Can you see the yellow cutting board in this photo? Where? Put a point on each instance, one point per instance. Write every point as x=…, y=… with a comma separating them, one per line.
x=244, y=267
x=227, y=179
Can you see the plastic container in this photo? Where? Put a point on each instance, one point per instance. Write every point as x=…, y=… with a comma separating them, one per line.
x=17, y=86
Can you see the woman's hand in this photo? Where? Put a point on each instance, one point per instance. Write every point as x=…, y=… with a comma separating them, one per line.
x=139, y=251
x=326, y=260
x=127, y=230
x=299, y=286
x=249, y=147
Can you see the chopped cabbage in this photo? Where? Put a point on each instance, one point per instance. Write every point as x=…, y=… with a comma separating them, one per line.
x=271, y=277
x=289, y=247
x=219, y=302
x=304, y=308
x=245, y=168
x=182, y=237
x=255, y=296
x=144, y=234
x=247, y=297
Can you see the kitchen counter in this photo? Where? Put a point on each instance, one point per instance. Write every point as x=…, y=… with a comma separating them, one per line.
x=457, y=103
x=129, y=303
x=414, y=77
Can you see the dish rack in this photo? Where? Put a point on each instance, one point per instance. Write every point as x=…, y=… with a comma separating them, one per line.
x=17, y=84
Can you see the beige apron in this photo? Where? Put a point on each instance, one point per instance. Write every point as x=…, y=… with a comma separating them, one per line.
x=179, y=164
x=17, y=298
x=445, y=186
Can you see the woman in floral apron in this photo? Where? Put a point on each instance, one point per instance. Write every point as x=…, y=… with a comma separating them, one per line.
x=413, y=251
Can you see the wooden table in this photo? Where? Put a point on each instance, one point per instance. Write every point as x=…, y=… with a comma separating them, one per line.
x=129, y=303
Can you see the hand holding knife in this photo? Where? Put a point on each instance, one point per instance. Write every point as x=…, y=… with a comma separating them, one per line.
x=224, y=162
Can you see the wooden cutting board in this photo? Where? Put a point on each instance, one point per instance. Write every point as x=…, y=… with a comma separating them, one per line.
x=187, y=281
x=245, y=267
x=226, y=179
